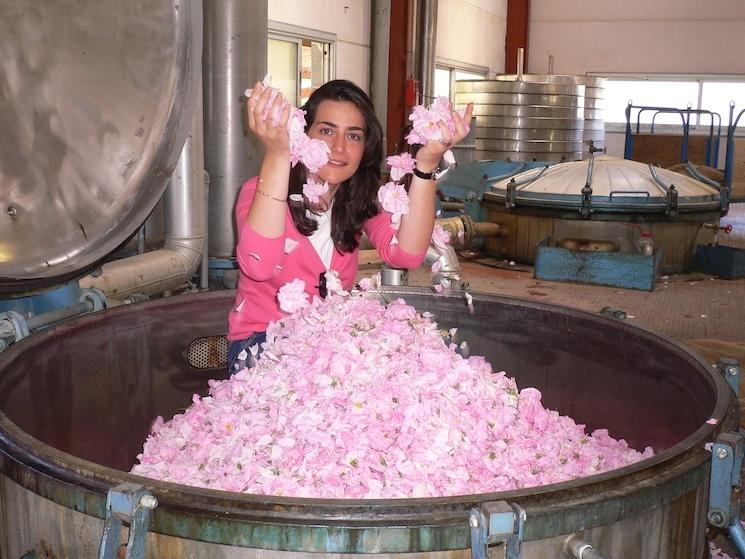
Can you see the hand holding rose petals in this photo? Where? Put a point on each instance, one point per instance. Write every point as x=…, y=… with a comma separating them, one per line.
x=313, y=153
x=426, y=121
x=437, y=128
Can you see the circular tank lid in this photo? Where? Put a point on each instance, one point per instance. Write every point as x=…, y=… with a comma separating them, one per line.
x=95, y=105
x=617, y=185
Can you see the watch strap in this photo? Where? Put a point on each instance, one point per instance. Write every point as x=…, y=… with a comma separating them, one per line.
x=425, y=176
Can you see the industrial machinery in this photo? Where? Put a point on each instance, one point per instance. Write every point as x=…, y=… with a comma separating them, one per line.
x=76, y=403
x=535, y=117
x=611, y=204
x=98, y=109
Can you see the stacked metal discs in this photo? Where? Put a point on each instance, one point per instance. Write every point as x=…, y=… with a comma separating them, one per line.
x=535, y=117
x=594, y=102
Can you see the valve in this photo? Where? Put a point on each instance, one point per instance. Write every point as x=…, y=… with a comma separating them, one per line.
x=726, y=229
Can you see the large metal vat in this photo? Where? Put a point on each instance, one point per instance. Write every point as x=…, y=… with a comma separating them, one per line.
x=77, y=402
x=604, y=200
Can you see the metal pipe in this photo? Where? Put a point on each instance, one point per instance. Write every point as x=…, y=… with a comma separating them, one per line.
x=58, y=315
x=581, y=549
x=380, y=44
x=186, y=232
x=520, y=63
x=204, y=277
x=235, y=53
x=737, y=535
x=426, y=34
x=658, y=181
x=489, y=229
x=698, y=176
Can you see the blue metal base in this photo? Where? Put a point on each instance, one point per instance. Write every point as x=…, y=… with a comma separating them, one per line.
x=40, y=303
x=217, y=270
x=633, y=271
x=720, y=261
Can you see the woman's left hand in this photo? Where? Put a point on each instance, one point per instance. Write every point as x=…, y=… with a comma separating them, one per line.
x=429, y=155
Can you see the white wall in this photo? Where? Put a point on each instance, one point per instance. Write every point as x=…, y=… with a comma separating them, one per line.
x=472, y=31
x=637, y=36
x=348, y=19
x=468, y=31
x=665, y=36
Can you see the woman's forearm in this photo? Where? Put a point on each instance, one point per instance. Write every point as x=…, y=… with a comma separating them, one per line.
x=268, y=210
x=415, y=232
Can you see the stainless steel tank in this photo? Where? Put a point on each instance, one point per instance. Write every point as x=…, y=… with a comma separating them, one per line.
x=625, y=199
x=525, y=121
x=95, y=105
x=593, y=116
x=76, y=403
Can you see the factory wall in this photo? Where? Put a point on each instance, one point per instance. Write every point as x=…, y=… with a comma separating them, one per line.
x=666, y=36
x=472, y=32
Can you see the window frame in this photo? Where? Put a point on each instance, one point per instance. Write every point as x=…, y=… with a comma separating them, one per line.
x=453, y=66
x=297, y=34
x=696, y=126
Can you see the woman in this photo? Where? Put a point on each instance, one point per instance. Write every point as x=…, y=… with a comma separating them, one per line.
x=281, y=239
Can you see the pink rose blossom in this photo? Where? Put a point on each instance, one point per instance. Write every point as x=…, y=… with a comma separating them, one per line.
x=333, y=283
x=292, y=296
x=313, y=190
x=425, y=121
x=313, y=153
x=440, y=237
x=371, y=282
x=401, y=165
x=393, y=198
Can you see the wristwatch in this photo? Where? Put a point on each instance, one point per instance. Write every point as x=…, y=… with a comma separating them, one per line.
x=426, y=176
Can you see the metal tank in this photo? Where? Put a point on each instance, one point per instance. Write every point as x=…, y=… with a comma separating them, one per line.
x=77, y=401
x=607, y=203
x=525, y=121
x=594, y=105
x=94, y=111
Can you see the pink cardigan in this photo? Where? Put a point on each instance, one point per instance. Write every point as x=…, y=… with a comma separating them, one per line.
x=266, y=264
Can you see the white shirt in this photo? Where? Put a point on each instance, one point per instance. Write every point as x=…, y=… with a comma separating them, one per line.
x=321, y=237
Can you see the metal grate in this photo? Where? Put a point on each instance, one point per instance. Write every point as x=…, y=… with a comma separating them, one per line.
x=209, y=352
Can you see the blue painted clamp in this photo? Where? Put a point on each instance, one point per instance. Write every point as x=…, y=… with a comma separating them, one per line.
x=131, y=504
x=497, y=522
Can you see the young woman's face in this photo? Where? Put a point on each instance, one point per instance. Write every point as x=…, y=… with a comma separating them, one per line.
x=341, y=125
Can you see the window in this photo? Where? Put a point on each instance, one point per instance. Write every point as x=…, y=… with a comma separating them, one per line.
x=448, y=72
x=299, y=60
x=678, y=92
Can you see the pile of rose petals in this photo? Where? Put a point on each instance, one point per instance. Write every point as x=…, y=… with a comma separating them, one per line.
x=354, y=399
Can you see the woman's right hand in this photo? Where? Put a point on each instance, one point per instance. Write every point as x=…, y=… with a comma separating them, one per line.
x=268, y=114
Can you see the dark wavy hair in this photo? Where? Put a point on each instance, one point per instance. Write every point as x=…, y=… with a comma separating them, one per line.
x=356, y=199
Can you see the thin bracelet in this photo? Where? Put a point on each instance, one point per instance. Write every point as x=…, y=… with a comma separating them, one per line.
x=270, y=196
